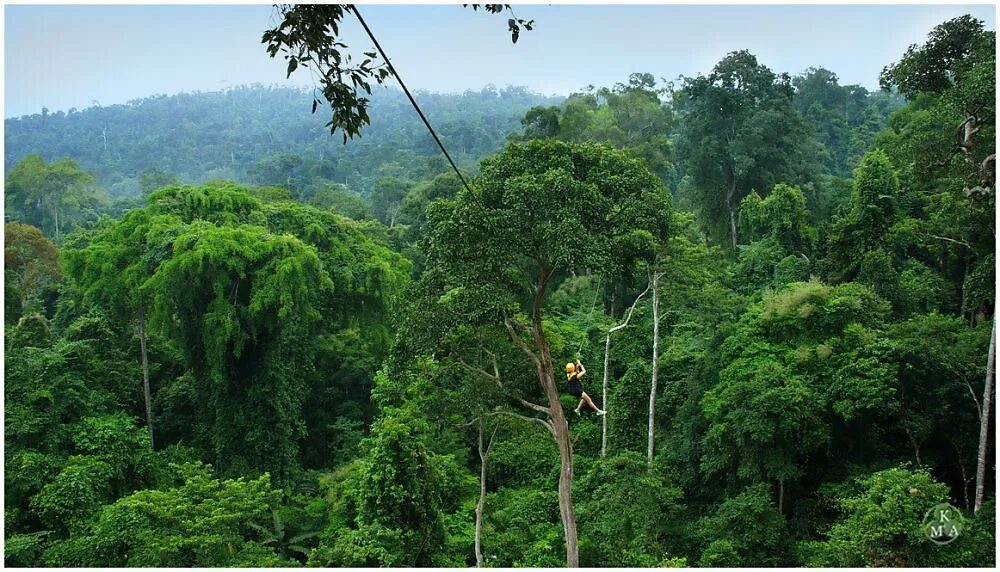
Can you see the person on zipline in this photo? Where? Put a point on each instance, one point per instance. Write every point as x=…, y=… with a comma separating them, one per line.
x=573, y=374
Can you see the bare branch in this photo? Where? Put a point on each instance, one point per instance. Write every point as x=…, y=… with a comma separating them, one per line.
x=495, y=376
x=480, y=371
x=945, y=238
x=544, y=423
x=630, y=310
x=534, y=406
x=492, y=437
x=520, y=343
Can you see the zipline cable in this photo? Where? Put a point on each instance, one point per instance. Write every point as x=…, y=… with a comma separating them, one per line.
x=413, y=102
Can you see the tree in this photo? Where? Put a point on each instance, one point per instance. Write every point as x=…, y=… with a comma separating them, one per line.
x=739, y=132
x=109, y=270
x=881, y=523
x=238, y=299
x=484, y=455
x=541, y=208
x=797, y=361
x=873, y=210
x=153, y=178
x=943, y=144
x=607, y=359
x=984, y=417
x=654, y=281
x=745, y=529
x=339, y=199
x=630, y=514
x=50, y=196
x=782, y=216
x=387, y=198
x=31, y=269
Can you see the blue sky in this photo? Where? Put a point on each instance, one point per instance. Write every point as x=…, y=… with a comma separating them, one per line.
x=71, y=56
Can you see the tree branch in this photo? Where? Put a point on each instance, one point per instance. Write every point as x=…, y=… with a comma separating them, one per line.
x=544, y=423
x=480, y=371
x=495, y=376
x=534, y=406
x=520, y=343
x=965, y=244
x=630, y=310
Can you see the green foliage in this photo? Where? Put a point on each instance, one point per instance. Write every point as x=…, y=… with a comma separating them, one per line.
x=628, y=116
x=337, y=198
x=522, y=527
x=395, y=499
x=31, y=270
x=756, y=265
x=251, y=125
x=844, y=118
x=782, y=216
x=627, y=513
x=877, y=272
x=544, y=201
x=882, y=525
x=203, y=522
x=237, y=311
x=874, y=209
x=744, y=530
x=948, y=56
x=341, y=328
x=791, y=269
x=51, y=196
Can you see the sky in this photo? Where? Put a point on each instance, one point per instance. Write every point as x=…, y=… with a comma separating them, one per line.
x=63, y=56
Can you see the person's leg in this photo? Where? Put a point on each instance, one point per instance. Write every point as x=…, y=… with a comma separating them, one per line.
x=590, y=402
x=579, y=405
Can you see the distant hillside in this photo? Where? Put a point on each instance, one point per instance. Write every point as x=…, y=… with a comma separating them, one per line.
x=267, y=135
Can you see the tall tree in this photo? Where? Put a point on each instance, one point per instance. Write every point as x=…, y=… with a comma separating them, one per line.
x=539, y=209
x=738, y=133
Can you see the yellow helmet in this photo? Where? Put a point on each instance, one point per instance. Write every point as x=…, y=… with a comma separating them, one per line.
x=570, y=368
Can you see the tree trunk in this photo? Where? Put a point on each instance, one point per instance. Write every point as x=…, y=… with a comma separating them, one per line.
x=965, y=477
x=557, y=421
x=482, y=500
x=730, y=194
x=781, y=495
x=141, y=327
x=604, y=397
x=656, y=363
x=984, y=421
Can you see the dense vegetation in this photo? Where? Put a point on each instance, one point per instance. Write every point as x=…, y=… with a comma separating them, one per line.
x=265, y=136
x=232, y=342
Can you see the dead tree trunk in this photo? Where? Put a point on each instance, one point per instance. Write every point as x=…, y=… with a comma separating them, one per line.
x=656, y=363
x=147, y=394
x=481, y=504
x=730, y=195
x=984, y=421
x=607, y=354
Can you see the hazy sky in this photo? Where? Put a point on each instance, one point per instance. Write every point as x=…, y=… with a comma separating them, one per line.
x=70, y=56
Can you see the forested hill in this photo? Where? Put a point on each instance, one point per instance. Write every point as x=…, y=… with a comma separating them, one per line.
x=267, y=135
